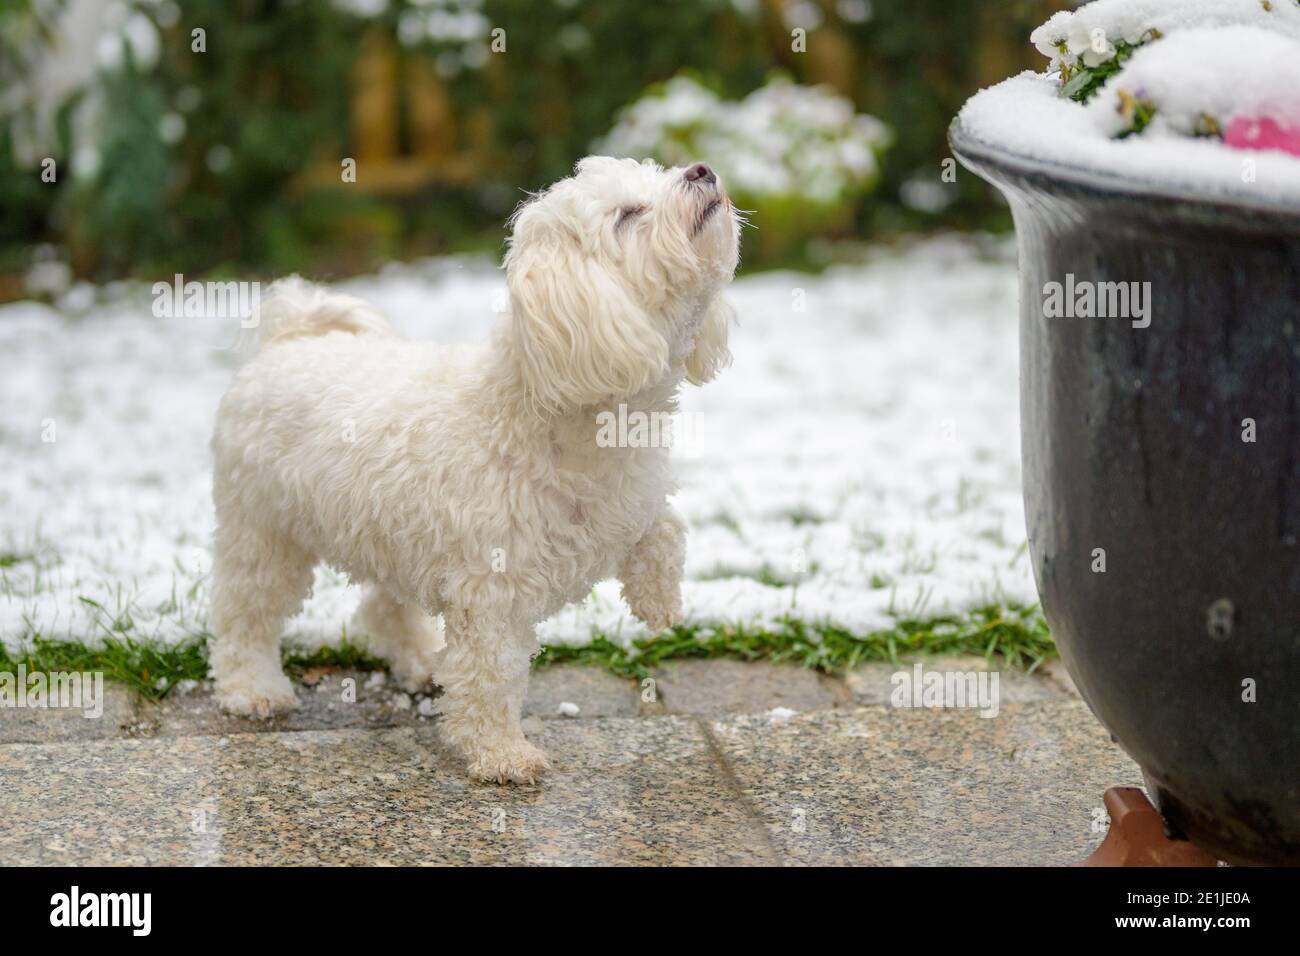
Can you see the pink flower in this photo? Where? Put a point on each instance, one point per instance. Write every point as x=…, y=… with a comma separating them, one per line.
x=1263, y=133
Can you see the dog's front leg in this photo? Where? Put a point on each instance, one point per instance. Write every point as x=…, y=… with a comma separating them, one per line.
x=652, y=572
x=484, y=675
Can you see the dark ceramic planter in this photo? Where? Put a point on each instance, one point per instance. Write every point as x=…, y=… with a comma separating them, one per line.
x=1132, y=442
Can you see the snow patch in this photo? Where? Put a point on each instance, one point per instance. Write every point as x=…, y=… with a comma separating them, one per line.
x=859, y=461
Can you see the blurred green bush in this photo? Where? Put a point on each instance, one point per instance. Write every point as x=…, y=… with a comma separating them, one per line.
x=801, y=154
x=174, y=160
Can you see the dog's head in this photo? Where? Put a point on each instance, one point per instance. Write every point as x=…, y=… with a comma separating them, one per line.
x=614, y=277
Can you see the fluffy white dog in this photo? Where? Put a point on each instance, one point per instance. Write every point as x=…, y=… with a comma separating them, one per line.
x=467, y=482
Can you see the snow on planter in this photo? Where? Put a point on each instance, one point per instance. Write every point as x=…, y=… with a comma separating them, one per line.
x=1168, y=94
x=1088, y=45
x=1208, y=82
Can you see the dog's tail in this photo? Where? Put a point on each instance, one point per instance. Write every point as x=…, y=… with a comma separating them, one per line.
x=296, y=308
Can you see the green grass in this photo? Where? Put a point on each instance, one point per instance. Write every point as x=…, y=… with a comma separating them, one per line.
x=150, y=667
x=153, y=668
x=1016, y=635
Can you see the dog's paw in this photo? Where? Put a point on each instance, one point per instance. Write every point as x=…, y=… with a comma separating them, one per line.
x=517, y=763
x=412, y=668
x=658, y=617
x=263, y=698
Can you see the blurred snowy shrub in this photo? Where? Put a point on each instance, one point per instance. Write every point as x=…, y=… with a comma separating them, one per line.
x=799, y=156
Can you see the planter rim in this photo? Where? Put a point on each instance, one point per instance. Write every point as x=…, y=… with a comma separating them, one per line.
x=975, y=151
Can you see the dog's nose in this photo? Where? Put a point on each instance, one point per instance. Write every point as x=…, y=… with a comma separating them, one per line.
x=699, y=172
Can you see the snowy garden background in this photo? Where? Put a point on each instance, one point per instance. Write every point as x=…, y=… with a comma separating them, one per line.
x=856, y=470
x=858, y=463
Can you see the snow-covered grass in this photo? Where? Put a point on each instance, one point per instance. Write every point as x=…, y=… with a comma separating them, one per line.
x=853, y=478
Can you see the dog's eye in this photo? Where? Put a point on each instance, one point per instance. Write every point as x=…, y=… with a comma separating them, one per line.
x=627, y=214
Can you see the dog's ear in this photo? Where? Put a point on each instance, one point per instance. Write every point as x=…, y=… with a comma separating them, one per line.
x=710, y=354
x=578, y=335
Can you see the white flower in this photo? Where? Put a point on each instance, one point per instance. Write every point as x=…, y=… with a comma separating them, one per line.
x=1095, y=57
x=1078, y=38
x=1049, y=37
x=1046, y=44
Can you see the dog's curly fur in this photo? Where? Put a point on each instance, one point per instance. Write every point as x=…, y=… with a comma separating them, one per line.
x=467, y=482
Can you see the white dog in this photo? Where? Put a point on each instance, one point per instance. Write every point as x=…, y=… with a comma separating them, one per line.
x=467, y=482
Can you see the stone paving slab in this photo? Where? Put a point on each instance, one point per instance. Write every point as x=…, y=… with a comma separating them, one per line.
x=622, y=791
x=1054, y=671
x=715, y=687
x=335, y=699
x=594, y=691
x=884, y=786
x=873, y=683
x=120, y=714
x=861, y=785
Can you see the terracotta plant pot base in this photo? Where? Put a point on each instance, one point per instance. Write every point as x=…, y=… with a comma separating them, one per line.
x=1139, y=836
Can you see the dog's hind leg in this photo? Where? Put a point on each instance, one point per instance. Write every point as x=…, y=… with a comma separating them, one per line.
x=259, y=579
x=484, y=674
x=402, y=634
